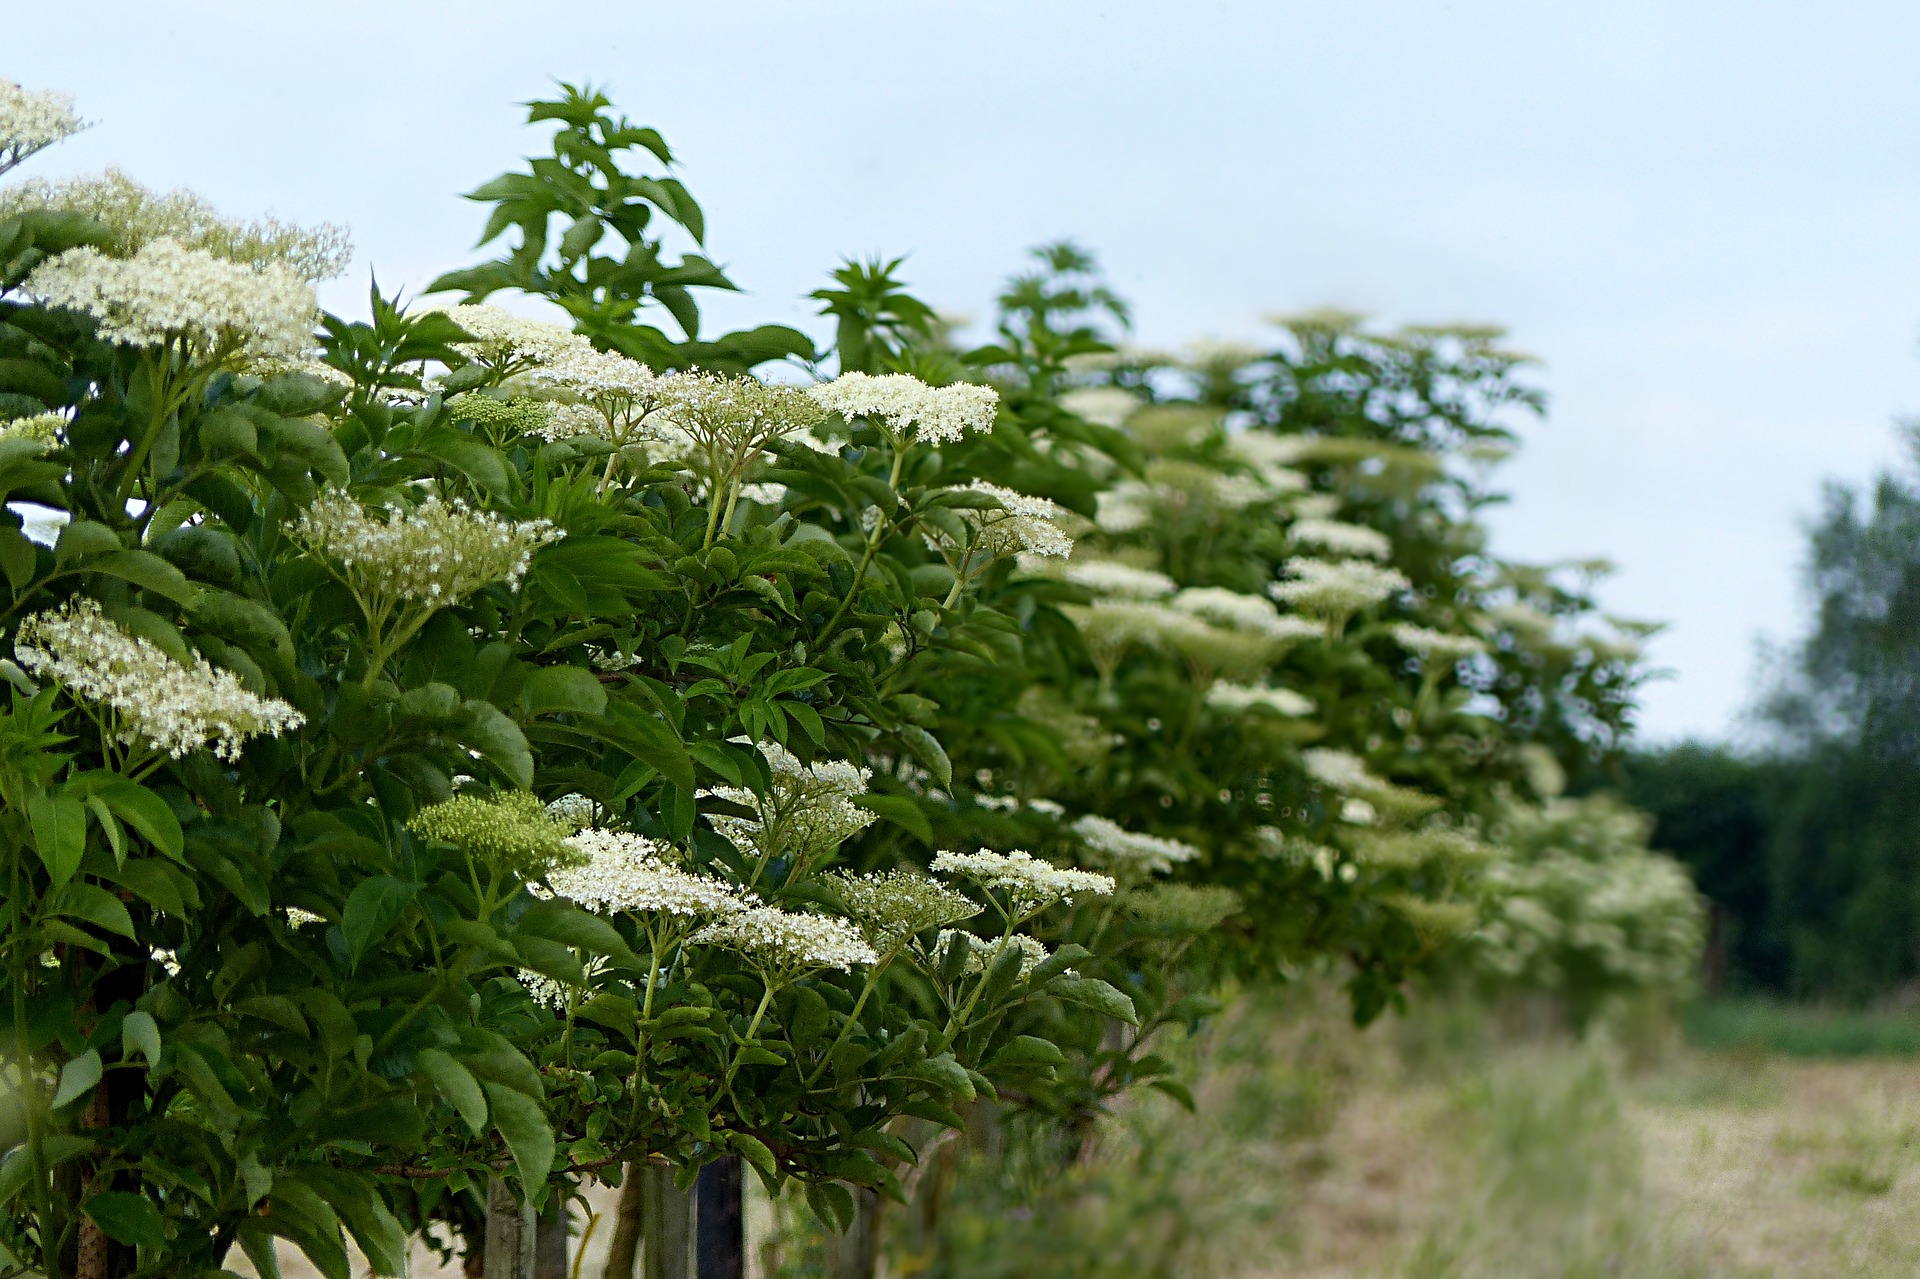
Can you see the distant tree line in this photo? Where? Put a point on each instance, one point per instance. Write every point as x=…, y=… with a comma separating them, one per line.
x=1808, y=845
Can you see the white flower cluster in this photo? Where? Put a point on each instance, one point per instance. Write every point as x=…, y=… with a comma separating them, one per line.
x=1243, y=697
x=511, y=343
x=1125, y=508
x=542, y=989
x=435, y=554
x=1030, y=884
x=1336, y=590
x=1021, y=523
x=1342, y=770
x=1241, y=612
x=1130, y=853
x=983, y=952
x=300, y=917
x=136, y=216
x=906, y=409
x=891, y=906
x=808, y=809
x=31, y=122
x=728, y=420
x=1107, y=577
x=1104, y=405
x=627, y=872
x=617, y=395
x=575, y=811
x=167, y=291
x=1341, y=538
x=784, y=944
x=155, y=701
x=1428, y=644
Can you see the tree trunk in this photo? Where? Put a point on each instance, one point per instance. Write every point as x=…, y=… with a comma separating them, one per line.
x=667, y=1221
x=625, y=1247
x=510, y=1232
x=718, y=1224
x=550, y=1239
x=855, y=1254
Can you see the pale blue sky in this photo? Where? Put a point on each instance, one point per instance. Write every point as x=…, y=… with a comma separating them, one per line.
x=1703, y=217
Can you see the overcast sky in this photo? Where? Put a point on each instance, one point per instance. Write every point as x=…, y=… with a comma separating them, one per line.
x=1704, y=218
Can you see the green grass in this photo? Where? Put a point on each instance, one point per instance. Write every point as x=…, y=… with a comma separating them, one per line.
x=1798, y=1030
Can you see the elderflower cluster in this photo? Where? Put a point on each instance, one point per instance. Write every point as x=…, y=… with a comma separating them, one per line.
x=436, y=554
x=616, y=396
x=31, y=122
x=511, y=830
x=1102, y=405
x=808, y=809
x=1183, y=908
x=542, y=989
x=41, y=428
x=1341, y=770
x=506, y=418
x=1336, y=590
x=168, y=291
x=1018, y=523
x=982, y=953
x=891, y=906
x=618, y=871
x=509, y=343
x=730, y=419
x=136, y=216
x=1242, y=612
x=785, y=944
x=1031, y=885
x=1341, y=538
x=1125, y=508
x=1130, y=854
x=300, y=917
x=153, y=700
x=1428, y=644
x=1105, y=577
x=1243, y=697
x=906, y=409
x=574, y=811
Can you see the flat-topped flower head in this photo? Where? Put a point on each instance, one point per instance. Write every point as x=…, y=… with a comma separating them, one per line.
x=1106, y=577
x=984, y=952
x=167, y=293
x=1241, y=612
x=512, y=830
x=614, y=396
x=1341, y=538
x=150, y=700
x=502, y=420
x=1336, y=591
x=1013, y=524
x=807, y=812
x=784, y=945
x=136, y=216
x=906, y=409
x=435, y=554
x=729, y=420
x=1030, y=884
x=1227, y=696
x=509, y=343
x=32, y=122
x=618, y=871
x=891, y=906
x=1130, y=854
x=1437, y=645
x=1341, y=770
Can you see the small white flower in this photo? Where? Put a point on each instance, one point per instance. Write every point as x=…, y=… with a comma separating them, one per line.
x=784, y=944
x=1241, y=697
x=31, y=122
x=1130, y=852
x=627, y=872
x=906, y=408
x=1029, y=883
x=1341, y=538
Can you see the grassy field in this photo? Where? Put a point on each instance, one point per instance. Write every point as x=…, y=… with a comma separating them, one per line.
x=1770, y=1143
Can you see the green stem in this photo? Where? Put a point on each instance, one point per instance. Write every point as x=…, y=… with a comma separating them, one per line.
x=873, y=978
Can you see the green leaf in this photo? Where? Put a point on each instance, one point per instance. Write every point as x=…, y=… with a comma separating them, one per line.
x=59, y=834
x=373, y=908
x=18, y=558
x=77, y=1078
x=648, y=739
x=831, y=1203
x=571, y=926
x=499, y=741
x=149, y=572
x=563, y=688
x=927, y=749
x=141, y=1033
x=1028, y=1051
x=523, y=1124
x=1176, y=1090
x=1091, y=992
x=256, y=1240
x=145, y=811
x=901, y=811
x=83, y=539
x=91, y=904
x=755, y=1152
x=159, y=883
x=127, y=1218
